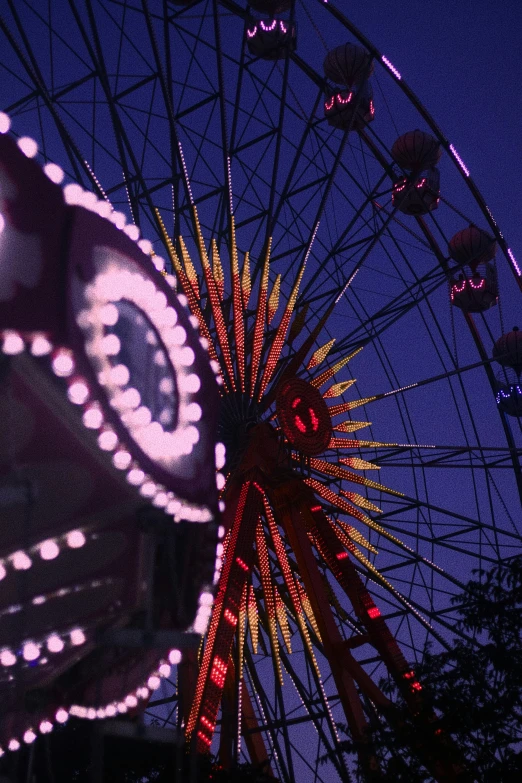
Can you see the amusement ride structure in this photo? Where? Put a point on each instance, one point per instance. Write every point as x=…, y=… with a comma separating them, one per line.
x=327, y=247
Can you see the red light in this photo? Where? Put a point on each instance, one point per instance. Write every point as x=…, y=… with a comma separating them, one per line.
x=316, y=508
x=374, y=612
x=342, y=555
x=242, y=564
x=299, y=424
x=219, y=671
x=229, y=617
x=204, y=738
x=314, y=419
x=296, y=402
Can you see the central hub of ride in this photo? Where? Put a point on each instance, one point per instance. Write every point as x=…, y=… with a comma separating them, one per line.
x=304, y=416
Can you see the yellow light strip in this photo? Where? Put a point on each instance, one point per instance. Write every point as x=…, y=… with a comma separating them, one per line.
x=351, y=426
x=215, y=303
x=189, y=268
x=237, y=304
x=217, y=270
x=337, y=389
x=320, y=355
x=259, y=325
x=328, y=374
x=246, y=282
x=273, y=300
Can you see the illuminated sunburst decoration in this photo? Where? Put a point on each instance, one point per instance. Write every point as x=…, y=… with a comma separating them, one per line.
x=281, y=491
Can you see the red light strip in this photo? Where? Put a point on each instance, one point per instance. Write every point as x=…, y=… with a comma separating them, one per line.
x=268, y=590
x=226, y=609
x=259, y=325
x=288, y=577
x=279, y=339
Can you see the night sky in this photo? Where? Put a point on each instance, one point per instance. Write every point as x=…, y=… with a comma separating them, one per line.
x=463, y=61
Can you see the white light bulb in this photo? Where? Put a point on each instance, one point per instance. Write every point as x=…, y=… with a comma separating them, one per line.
x=190, y=383
x=107, y=440
x=5, y=122
x=7, y=658
x=62, y=715
x=132, y=231
x=49, y=550
x=220, y=455
x=40, y=346
x=145, y=246
x=29, y=736
x=63, y=363
x=131, y=701
x=121, y=460
x=148, y=489
x=28, y=146
x=109, y=315
x=75, y=539
x=54, y=643
x=193, y=412
x=160, y=500
x=111, y=345
x=77, y=637
x=73, y=193
x=2, y=571
x=21, y=561
x=46, y=727
x=78, y=392
x=164, y=670
x=174, y=657
x=153, y=682
x=54, y=172
x=31, y=651
x=13, y=343
x=135, y=477
x=14, y=745
x=93, y=417
x=120, y=375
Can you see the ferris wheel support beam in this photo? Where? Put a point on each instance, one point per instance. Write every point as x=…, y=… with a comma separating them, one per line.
x=166, y=89
x=347, y=671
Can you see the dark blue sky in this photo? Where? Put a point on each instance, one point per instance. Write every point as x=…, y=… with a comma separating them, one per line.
x=463, y=61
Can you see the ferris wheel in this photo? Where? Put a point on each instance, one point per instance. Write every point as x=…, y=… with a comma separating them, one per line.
x=346, y=276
